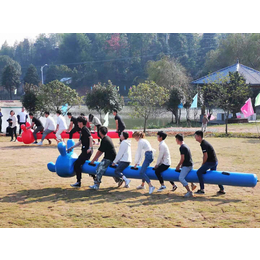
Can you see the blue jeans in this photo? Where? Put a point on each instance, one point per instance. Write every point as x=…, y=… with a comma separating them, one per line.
x=203, y=169
x=147, y=160
x=120, y=167
x=101, y=169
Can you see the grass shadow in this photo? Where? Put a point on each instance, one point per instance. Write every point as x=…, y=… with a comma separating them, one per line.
x=28, y=146
x=130, y=198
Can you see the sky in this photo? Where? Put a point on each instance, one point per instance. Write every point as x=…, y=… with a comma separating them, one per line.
x=12, y=37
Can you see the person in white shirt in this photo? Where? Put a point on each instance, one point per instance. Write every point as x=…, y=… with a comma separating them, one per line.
x=143, y=146
x=123, y=159
x=49, y=126
x=97, y=124
x=13, y=125
x=61, y=126
x=22, y=119
x=163, y=161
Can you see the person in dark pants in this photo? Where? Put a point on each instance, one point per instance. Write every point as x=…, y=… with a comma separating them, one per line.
x=13, y=125
x=39, y=126
x=163, y=161
x=97, y=124
x=210, y=162
x=1, y=115
x=106, y=147
x=120, y=125
x=22, y=119
x=87, y=150
x=74, y=124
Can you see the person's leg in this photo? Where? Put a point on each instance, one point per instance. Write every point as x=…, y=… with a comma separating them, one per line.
x=38, y=129
x=214, y=168
x=159, y=171
x=148, y=159
x=120, y=168
x=12, y=133
x=184, y=172
x=58, y=134
x=101, y=169
x=0, y=124
x=73, y=131
x=202, y=170
x=20, y=129
x=45, y=133
x=98, y=126
x=15, y=134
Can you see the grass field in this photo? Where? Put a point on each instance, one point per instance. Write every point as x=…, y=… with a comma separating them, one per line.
x=31, y=196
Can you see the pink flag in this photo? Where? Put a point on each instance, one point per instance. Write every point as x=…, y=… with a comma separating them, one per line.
x=247, y=109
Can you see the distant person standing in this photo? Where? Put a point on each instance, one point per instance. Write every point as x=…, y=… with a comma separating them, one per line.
x=1, y=115
x=39, y=127
x=61, y=126
x=13, y=125
x=22, y=119
x=97, y=124
x=205, y=121
x=49, y=126
x=120, y=125
x=210, y=162
x=88, y=124
x=73, y=127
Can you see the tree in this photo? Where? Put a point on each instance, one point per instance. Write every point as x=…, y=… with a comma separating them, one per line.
x=31, y=76
x=54, y=95
x=146, y=98
x=29, y=99
x=104, y=98
x=171, y=75
x=55, y=72
x=228, y=93
x=6, y=60
x=10, y=79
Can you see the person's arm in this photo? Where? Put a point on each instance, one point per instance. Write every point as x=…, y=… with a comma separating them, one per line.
x=138, y=155
x=18, y=117
x=98, y=154
x=121, y=152
x=117, y=125
x=31, y=126
x=74, y=146
x=181, y=162
x=160, y=156
x=205, y=157
x=90, y=144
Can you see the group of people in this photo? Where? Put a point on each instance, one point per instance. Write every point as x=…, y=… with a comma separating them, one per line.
x=123, y=159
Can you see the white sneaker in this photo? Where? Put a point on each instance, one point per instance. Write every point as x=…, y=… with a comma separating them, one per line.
x=140, y=187
x=188, y=194
x=151, y=189
x=161, y=188
x=94, y=187
x=40, y=143
x=127, y=181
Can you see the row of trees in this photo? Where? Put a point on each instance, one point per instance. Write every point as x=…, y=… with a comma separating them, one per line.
x=90, y=58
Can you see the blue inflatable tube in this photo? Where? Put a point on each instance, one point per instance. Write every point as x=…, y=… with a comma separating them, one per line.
x=64, y=168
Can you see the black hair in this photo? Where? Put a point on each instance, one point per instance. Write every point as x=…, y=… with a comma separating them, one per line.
x=58, y=112
x=179, y=137
x=82, y=119
x=82, y=114
x=90, y=117
x=103, y=130
x=47, y=112
x=199, y=133
x=162, y=134
x=115, y=110
x=69, y=114
x=125, y=134
x=30, y=114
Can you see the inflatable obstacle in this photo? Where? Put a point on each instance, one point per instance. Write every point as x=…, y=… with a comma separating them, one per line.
x=27, y=135
x=64, y=168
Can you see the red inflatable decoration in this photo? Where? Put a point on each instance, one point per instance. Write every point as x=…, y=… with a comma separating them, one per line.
x=27, y=135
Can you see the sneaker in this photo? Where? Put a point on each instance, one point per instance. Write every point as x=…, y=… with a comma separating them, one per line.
x=11, y=140
x=127, y=181
x=193, y=186
x=76, y=185
x=200, y=192
x=140, y=187
x=94, y=187
x=174, y=188
x=120, y=182
x=49, y=141
x=221, y=192
x=188, y=194
x=161, y=188
x=151, y=189
x=35, y=142
x=40, y=143
x=15, y=140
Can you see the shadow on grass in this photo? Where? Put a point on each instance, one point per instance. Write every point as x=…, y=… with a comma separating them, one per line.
x=251, y=141
x=114, y=195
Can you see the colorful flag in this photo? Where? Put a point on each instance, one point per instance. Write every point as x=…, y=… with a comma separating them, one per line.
x=257, y=100
x=64, y=109
x=180, y=105
x=247, y=109
x=195, y=102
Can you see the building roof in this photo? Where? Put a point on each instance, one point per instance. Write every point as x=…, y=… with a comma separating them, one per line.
x=251, y=76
